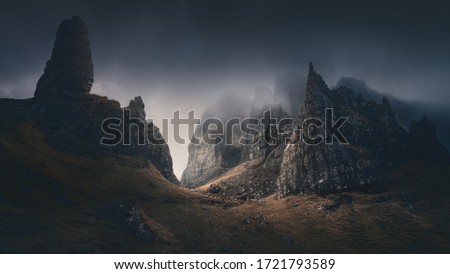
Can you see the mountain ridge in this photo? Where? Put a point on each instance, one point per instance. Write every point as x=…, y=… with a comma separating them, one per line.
x=377, y=144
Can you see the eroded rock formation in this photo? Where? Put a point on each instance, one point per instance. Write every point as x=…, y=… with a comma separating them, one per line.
x=71, y=118
x=70, y=66
x=374, y=138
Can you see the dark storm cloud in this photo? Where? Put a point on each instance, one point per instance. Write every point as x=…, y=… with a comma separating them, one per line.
x=185, y=54
x=190, y=46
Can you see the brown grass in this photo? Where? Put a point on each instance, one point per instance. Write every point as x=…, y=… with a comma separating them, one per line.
x=48, y=203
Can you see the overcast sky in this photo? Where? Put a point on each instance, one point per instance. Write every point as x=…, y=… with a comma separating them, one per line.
x=184, y=54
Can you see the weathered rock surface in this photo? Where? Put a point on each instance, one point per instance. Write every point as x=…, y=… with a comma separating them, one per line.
x=376, y=144
x=207, y=161
x=70, y=67
x=158, y=153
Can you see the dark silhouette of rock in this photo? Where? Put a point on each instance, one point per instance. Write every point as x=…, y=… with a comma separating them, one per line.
x=70, y=67
x=158, y=153
x=71, y=118
x=137, y=107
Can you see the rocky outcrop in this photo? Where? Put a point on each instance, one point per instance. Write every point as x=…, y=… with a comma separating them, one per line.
x=332, y=167
x=376, y=143
x=209, y=161
x=254, y=156
x=70, y=66
x=71, y=119
x=372, y=145
x=156, y=151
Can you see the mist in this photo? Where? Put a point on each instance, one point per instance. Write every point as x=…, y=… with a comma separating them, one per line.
x=187, y=54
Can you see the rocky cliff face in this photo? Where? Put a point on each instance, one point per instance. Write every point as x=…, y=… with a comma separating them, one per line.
x=376, y=143
x=71, y=118
x=373, y=145
x=247, y=169
x=157, y=152
x=261, y=145
x=371, y=131
x=207, y=161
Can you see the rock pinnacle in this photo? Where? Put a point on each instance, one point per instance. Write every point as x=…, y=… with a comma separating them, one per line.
x=70, y=67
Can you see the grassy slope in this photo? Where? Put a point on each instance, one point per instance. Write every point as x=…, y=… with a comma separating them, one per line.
x=391, y=226
x=49, y=200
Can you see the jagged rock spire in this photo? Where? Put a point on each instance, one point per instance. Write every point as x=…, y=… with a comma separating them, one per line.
x=315, y=81
x=316, y=93
x=137, y=108
x=70, y=67
x=334, y=166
